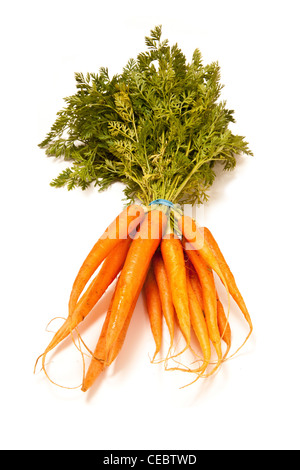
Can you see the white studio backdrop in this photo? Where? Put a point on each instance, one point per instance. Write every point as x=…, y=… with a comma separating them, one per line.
x=46, y=233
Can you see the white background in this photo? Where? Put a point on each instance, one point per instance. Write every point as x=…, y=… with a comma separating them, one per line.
x=253, y=403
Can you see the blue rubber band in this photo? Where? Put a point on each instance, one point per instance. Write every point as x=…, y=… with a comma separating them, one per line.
x=164, y=202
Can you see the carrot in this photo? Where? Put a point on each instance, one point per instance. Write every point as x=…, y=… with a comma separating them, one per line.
x=209, y=300
x=223, y=324
x=111, y=267
x=108, y=272
x=154, y=308
x=194, y=280
x=199, y=325
x=101, y=357
x=224, y=327
x=120, y=340
x=195, y=241
x=229, y=278
x=97, y=363
x=135, y=268
x=165, y=293
x=173, y=257
x=119, y=229
x=113, y=353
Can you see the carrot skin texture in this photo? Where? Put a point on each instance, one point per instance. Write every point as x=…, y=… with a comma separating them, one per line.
x=195, y=241
x=230, y=280
x=97, y=363
x=101, y=357
x=195, y=283
x=111, y=267
x=154, y=308
x=135, y=268
x=118, y=230
x=223, y=323
x=224, y=327
x=199, y=325
x=116, y=347
x=173, y=257
x=209, y=300
x=165, y=294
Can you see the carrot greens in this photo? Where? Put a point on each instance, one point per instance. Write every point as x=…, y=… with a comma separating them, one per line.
x=158, y=127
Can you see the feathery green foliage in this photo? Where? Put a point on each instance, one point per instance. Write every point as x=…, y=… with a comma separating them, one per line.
x=158, y=127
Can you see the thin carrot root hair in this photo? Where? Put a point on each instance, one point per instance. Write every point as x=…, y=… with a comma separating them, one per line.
x=170, y=355
x=89, y=352
x=199, y=358
x=61, y=334
x=173, y=357
x=191, y=383
x=48, y=331
x=43, y=368
x=199, y=370
x=52, y=320
x=237, y=350
x=182, y=351
x=203, y=375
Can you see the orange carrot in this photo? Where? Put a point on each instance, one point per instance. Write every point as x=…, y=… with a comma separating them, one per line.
x=154, y=308
x=223, y=324
x=165, y=294
x=97, y=363
x=199, y=325
x=116, y=347
x=229, y=278
x=115, y=232
x=224, y=327
x=101, y=357
x=195, y=241
x=111, y=267
x=136, y=266
x=209, y=300
x=108, y=272
x=173, y=257
x=195, y=282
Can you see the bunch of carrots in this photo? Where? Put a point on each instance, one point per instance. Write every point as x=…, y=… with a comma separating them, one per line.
x=159, y=128
x=176, y=269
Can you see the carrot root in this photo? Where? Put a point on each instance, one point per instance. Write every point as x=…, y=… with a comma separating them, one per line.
x=154, y=308
x=177, y=276
x=135, y=270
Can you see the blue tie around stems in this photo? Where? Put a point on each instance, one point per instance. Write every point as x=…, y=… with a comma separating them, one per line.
x=176, y=210
x=164, y=202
